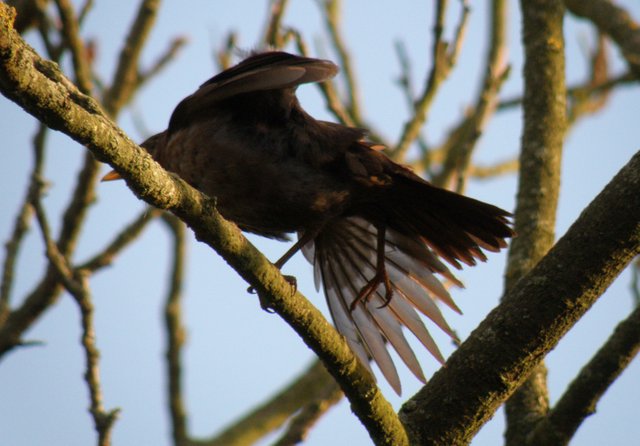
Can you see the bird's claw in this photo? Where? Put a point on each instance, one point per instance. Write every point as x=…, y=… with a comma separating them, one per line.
x=371, y=287
x=264, y=304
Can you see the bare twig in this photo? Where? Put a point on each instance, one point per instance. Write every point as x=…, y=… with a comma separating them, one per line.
x=70, y=29
x=169, y=55
x=125, y=78
x=224, y=56
x=21, y=224
x=273, y=36
x=405, y=82
x=458, y=158
x=502, y=168
x=331, y=9
x=84, y=11
x=588, y=104
x=313, y=385
x=584, y=89
x=443, y=61
x=102, y=419
x=334, y=104
x=123, y=239
x=309, y=415
x=176, y=330
x=76, y=282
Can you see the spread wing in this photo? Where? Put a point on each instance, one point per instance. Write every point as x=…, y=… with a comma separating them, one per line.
x=260, y=72
x=344, y=258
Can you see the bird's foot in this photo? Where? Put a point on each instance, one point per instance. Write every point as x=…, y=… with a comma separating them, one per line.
x=365, y=293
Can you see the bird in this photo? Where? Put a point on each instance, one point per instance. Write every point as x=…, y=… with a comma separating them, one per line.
x=379, y=236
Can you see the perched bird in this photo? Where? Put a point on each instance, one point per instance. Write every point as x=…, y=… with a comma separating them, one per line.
x=376, y=233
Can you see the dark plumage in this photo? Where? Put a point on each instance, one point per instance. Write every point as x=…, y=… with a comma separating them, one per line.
x=375, y=232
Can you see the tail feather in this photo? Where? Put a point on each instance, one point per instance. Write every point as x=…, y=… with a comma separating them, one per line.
x=456, y=227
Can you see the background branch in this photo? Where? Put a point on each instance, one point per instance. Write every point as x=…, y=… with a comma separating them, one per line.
x=614, y=21
x=580, y=399
x=538, y=182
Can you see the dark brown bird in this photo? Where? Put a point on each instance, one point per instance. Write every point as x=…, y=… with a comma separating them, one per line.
x=375, y=232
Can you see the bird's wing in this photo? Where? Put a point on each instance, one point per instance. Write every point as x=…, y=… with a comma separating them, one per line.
x=344, y=257
x=260, y=72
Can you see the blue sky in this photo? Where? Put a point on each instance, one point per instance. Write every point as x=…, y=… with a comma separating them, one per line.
x=236, y=354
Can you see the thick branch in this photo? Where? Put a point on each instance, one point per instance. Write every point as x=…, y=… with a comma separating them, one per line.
x=536, y=312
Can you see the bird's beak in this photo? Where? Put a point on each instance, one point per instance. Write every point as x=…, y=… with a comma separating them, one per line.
x=113, y=175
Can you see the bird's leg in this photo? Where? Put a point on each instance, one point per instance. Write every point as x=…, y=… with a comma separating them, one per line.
x=305, y=238
x=381, y=276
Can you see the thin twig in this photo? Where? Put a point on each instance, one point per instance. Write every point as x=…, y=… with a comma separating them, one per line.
x=582, y=395
x=441, y=67
x=176, y=330
x=308, y=416
x=588, y=104
x=272, y=36
x=70, y=29
x=331, y=9
x=405, y=81
x=168, y=56
x=314, y=384
x=492, y=171
x=84, y=11
x=334, y=104
x=76, y=283
x=582, y=89
x=125, y=78
x=103, y=420
x=21, y=225
x=123, y=239
x=224, y=56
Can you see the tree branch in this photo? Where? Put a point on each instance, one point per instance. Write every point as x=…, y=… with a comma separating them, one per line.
x=443, y=62
x=580, y=399
x=539, y=182
x=123, y=239
x=614, y=21
x=314, y=384
x=457, y=161
x=176, y=331
x=125, y=78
